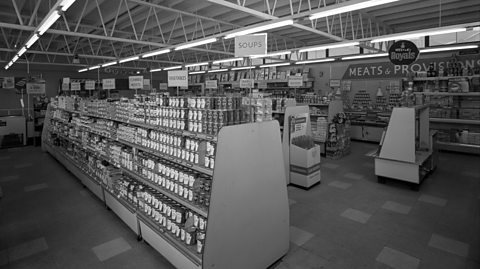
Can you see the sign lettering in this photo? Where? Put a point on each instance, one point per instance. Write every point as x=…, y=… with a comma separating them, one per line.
x=108, y=83
x=295, y=81
x=90, y=85
x=403, y=52
x=178, y=78
x=249, y=45
x=75, y=86
x=246, y=83
x=135, y=82
x=36, y=88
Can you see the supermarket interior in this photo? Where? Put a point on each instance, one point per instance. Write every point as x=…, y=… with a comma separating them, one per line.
x=275, y=134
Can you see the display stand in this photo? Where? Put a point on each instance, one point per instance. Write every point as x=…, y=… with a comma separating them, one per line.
x=399, y=157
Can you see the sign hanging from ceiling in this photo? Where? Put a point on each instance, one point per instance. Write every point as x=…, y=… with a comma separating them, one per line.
x=163, y=86
x=178, y=78
x=65, y=87
x=135, y=82
x=211, y=84
x=35, y=88
x=75, y=86
x=403, y=52
x=248, y=45
x=246, y=83
x=108, y=83
x=295, y=81
x=90, y=85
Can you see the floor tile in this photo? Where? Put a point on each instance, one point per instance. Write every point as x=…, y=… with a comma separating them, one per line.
x=299, y=236
x=3, y=257
x=432, y=200
x=27, y=249
x=340, y=184
x=449, y=245
x=111, y=249
x=353, y=176
x=396, y=207
x=330, y=165
x=36, y=187
x=471, y=174
x=303, y=259
x=291, y=202
x=368, y=164
x=3, y=158
x=397, y=259
x=8, y=178
x=356, y=215
x=22, y=165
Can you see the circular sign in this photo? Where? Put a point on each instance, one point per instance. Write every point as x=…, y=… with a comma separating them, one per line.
x=403, y=52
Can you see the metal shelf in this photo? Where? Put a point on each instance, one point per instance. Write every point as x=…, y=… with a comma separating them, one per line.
x=441, y=78
x=311, y=104
x=459, y=147
x=455, y=121
x=449, y=93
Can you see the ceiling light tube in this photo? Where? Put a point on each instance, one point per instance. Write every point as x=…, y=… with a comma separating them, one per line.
x=272, y=65
x=217, y=70
x=427, y=50
x=49, y=21
x=362, y=56
x=65, y=4
x=271, y=54
x=155, y=70
x=260, y=28
x=227, y=60
x=348, y=7
x=330, y=46
x=32, y=41
x=15, y=58
x=196, y=72
x=418, y=34
x=316, y=61
x=21, y=51
x=197, y=43
x=94, y=67
x=82, y=70
x=129, y=59
x=196, y=64
x=242, y=68
x=153, y=53
x=108, y=64
x=172, y=67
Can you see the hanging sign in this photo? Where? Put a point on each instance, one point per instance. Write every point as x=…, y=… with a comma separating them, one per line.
x=108, y=83
x=65, y=87
x=75, y=86
x=248, y=45
x=163, y=86
x=66, y=80
x=178, y=78
x=246, y=83
x=334, y=83
x=211, y=84
x=36, y=88
x=8, y=82
x=90, y=85
x=135, y=82
x=403, y=52
x=262, y=84
x=295, y=81
x=146, y=84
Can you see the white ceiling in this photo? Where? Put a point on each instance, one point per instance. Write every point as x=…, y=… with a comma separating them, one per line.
x=104, y=30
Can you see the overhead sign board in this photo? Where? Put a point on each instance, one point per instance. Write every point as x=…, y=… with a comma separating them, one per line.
x=178, y=78
x=66, y=80
x=295, y=81
x=163, y=86
x=65, y=87
x=334, y=83
x=246, y=83
x=108, y=83
x=135, y=82
x=262, y=84
x=403, y=52
x=248, y=45
x=36, y=88
x=75, y=86
x=211, y=84
x=90, y=85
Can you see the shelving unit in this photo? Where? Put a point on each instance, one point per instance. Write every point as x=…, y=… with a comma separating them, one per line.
x=238, y=233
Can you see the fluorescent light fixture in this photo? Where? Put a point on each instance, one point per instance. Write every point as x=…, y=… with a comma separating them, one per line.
x=153, y=53
x=66, y=4
x=260, y=28
x=217, y=70
x=272, y=65
x=172, y=67
x=196, y=72
x=449, y=48
x=108, y=64
x=476, y=28
x=330, y=46
x=15, y=58
x=198, y=43
x=32, y=41
x=362, y=56
x=21, y=51
x=156, y=70
x=316, y=61
x=94, y=67
x=348, y=7
x=271, y=54
x=227, y=60
x=418, y=34
x=196, y=64
x=49, y=21
x=82, y=70
x=242, y=68
x=129, y=59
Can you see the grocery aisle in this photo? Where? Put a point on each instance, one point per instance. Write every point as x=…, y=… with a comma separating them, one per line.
x=47, y=220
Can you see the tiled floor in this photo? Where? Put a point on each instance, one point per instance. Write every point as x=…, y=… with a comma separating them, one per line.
x=47, y=220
